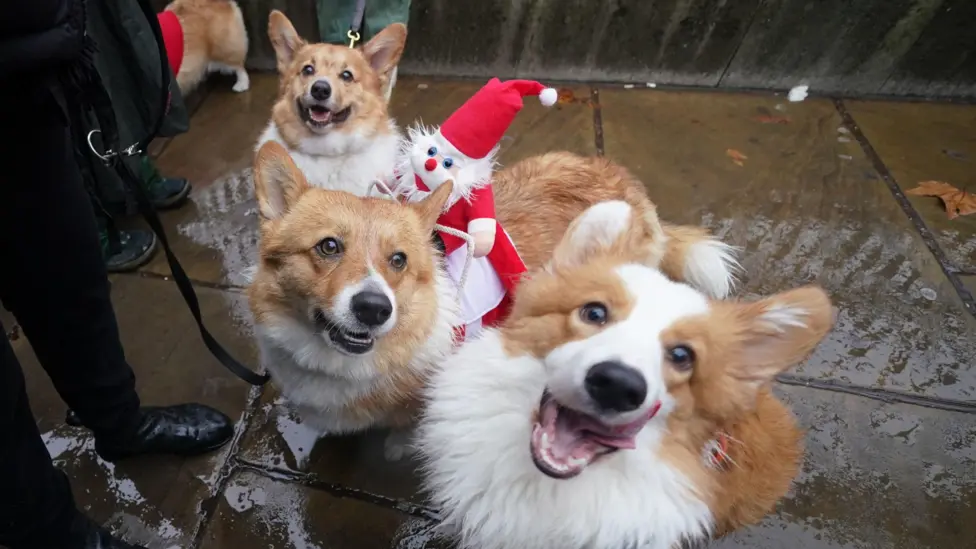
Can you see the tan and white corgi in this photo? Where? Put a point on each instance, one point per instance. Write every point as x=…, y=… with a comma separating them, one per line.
x=213, y=38
x=586, y=419
x=352, y=305
x=331, y=113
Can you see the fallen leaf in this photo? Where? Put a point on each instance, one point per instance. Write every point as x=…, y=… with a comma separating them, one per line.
x=737, y=157
x=566, y=96
x=957, y=202
x=773, y=119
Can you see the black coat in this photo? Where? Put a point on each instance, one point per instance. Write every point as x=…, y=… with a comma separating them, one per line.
x=39, y=38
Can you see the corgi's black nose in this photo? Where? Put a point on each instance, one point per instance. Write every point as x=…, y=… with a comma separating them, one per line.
x=615, y=387
x=371, y=308
x=321, y=90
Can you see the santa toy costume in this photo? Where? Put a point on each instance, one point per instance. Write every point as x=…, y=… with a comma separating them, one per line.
x=463, y=150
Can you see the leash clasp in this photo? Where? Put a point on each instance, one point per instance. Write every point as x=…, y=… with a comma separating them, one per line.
x=107, y=156
x=353, y=37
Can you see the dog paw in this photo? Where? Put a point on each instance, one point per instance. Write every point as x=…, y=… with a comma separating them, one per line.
x=243, y=81
x=397, y=446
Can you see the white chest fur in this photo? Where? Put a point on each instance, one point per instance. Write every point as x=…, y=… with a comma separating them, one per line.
x=480, y=471
x=342, y=161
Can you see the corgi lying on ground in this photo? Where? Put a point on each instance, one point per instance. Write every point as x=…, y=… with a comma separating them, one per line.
x=351, y=302
x=581, y=421
x=331, y=113
x=205, y=36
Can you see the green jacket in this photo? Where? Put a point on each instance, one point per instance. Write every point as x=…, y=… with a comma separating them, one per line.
x=129, y=65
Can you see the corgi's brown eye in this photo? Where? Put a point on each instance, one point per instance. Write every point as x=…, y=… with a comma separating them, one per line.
x=308, y=70
x=681, y=357
x=398, y=261
x=328, y=247
x=594, y=313
x=346, y=75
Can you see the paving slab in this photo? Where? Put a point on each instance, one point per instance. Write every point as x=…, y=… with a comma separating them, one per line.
x=786, y=182
x=876, y=476
x=256, y=511
x=924, y=142
x=153, y=500
x=277, y=439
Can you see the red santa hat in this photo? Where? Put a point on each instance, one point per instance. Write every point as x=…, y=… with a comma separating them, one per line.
x=479, y=125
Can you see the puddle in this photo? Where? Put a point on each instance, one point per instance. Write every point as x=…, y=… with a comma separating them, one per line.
x=227, y=221
x=279, y=507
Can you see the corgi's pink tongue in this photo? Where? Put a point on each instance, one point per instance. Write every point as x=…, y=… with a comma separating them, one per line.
x=570, y=428
x=565, y=441
x=320, y=114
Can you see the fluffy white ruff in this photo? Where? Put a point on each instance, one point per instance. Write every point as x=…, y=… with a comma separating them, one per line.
x=479, y=471
x=711, y=266
x=473, y=174
x=320, y=382
x=342, y=161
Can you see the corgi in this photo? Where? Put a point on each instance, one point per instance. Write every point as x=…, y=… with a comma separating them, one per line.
x=352, y=304
x=202, y=37
x=331, y=113
x=584, y=421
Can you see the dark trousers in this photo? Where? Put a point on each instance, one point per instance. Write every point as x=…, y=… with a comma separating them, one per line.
x=53, y=279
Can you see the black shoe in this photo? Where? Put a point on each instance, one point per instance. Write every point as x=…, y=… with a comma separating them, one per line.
x=184, y=430
x=136, y=248
x=85, y=534
x=169, y=192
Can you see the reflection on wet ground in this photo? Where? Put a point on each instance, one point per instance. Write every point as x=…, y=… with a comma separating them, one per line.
x=887, y=399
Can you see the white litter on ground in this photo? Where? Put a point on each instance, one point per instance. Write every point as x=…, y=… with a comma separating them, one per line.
x=651, y=85
x=628, y=86
x=798, y=93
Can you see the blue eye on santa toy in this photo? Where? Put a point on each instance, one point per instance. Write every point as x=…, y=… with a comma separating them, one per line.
x=432, y=151
x=448, y=163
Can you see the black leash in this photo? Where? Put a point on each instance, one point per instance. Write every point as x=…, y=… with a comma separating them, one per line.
x=356, y=26
x=96, y=97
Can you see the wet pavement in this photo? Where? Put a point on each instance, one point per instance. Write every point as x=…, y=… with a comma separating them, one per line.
x=810, y=190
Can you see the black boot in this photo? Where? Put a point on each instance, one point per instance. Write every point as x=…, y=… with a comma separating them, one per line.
x=184, y=429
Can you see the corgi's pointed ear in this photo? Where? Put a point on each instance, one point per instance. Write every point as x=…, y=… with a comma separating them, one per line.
x=284, y=39
x=776, y=333
x=383, y=51
x=430, y=208
x=614, y=228
x=278, y=183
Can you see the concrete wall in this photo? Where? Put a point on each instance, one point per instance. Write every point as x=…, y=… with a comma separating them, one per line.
x=849, y=47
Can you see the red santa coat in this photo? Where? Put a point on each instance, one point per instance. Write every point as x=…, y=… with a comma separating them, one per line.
x=503, y=257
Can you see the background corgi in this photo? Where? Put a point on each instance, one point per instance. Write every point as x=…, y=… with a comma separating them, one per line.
x=214, y=40
x=581, y=422
x=331, y=113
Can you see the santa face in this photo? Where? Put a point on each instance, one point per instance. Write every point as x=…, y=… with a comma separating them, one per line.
x=435, y=161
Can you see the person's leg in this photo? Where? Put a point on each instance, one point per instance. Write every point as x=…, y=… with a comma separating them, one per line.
x=62, y=300
x=37, y=508
x=54, y=278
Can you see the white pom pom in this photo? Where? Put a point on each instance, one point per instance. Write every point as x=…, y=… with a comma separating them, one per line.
x=548, y=97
